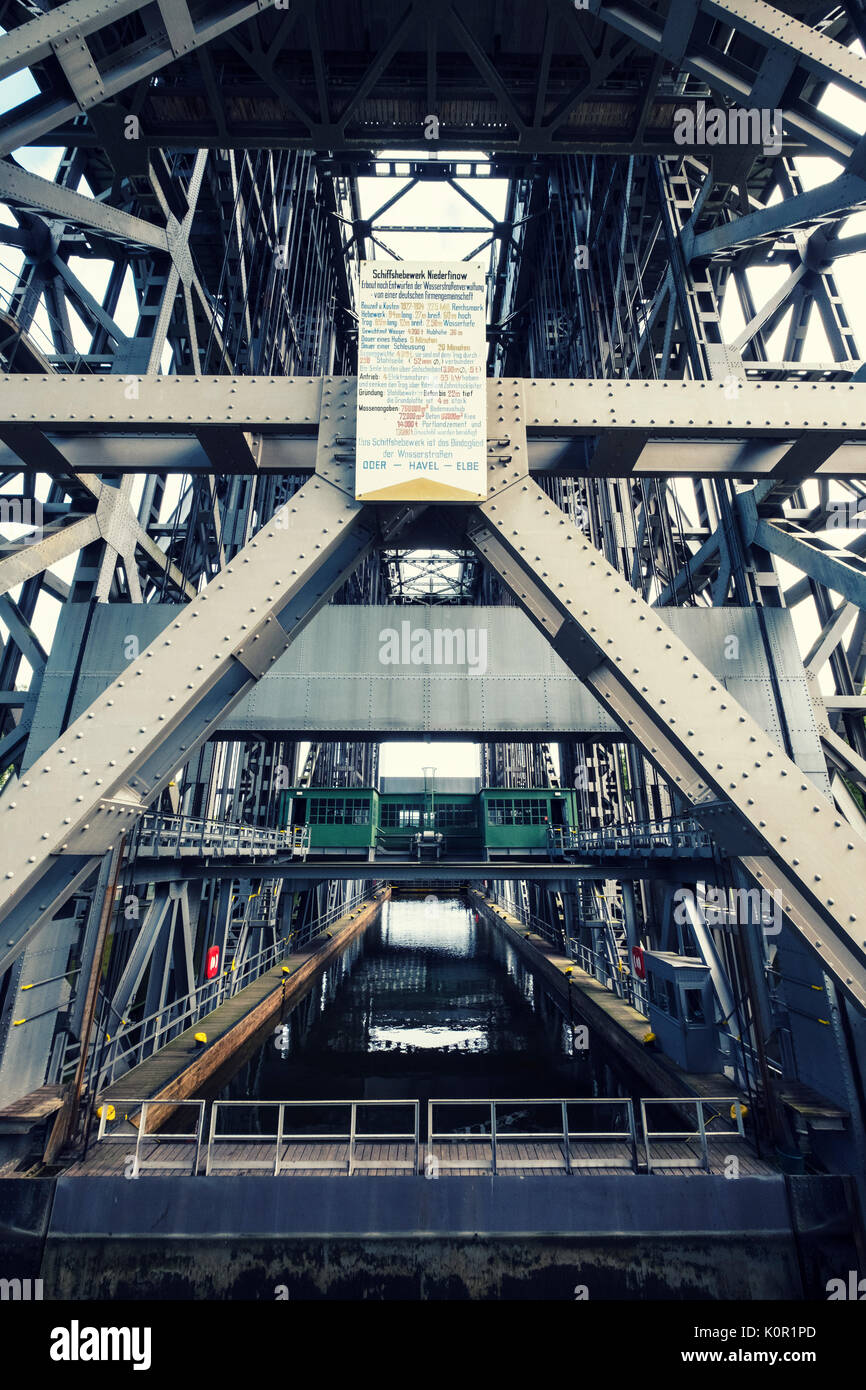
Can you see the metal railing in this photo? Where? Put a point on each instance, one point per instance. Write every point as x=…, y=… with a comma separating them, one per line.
x=285, y=1138
x=554, y=935
x=563, y=1136
x=673, y=837
x=621, y=982
x=542, y=1121
x=686, y=1136
x=108, y=1116
x=136, y=1039
x=394, y=841
x=176, y=837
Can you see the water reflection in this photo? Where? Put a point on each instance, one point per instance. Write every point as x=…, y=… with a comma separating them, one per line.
x=428, y=1002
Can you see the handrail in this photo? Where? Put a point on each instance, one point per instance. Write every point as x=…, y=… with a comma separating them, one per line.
x=284, y=1137
x=139, y=1164
x=495, y=1135
x=563, y=1134
x=680, y=834
x=624, y=983
x=700, y=1133
x=157, y=834
x=201, y=1000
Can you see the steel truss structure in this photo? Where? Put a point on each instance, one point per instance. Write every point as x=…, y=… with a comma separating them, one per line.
x=178, y=337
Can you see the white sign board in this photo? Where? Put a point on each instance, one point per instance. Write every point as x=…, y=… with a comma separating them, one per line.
x=422, y=393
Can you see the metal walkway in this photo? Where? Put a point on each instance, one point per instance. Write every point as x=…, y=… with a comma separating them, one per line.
x=676, y=837
x=177, y=837
x=513, y=1137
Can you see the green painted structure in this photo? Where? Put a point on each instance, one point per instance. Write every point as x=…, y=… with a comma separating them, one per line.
x=497, y=821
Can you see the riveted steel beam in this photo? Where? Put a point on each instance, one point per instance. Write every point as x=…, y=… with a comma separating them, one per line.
x=30, y=193
x=63, y=33
x=102, y=772
x=652, y=427
x=756, y=801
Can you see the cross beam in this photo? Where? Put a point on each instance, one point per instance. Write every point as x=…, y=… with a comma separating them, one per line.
x=196, y=424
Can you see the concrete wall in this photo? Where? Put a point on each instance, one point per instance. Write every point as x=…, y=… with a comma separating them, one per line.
x=624, y=1237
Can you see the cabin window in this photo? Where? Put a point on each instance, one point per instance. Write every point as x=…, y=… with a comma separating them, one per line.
x=694, y=1001
x=451, y=813
x=393, y=816
x=519, y=811
x=663, y=995
x=339, y=810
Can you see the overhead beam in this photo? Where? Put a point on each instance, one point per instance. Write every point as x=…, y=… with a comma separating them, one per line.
x=649, y=427
x=305, y=874
x=495, y=677
x=36, y=40
x=562, y=408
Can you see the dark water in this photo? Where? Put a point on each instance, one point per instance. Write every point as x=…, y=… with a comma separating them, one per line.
x=427, y=1003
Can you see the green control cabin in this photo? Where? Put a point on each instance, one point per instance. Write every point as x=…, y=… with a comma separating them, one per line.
x=371, y=823
x=516, y=820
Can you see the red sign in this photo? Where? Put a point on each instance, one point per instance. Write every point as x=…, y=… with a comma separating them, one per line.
x=213, y=961
x=637, y=961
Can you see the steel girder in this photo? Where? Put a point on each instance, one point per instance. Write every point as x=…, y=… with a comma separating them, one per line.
x=23, y=562
x=674, y=35
x=29, y=193
x=300, y=876
x=64, y=33
x=113, y=522
x=333, y=686
x=648, y=427
x=756, y=801
x=838, y=198
x=108, y=766
x=539, y=87
x=61, y=222
x=841, y=570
